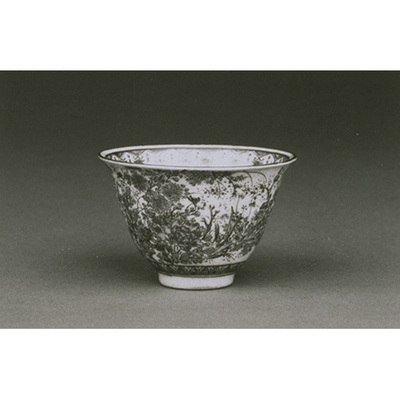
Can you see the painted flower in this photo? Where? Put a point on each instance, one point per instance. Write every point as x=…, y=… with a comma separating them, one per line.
x=172, y=191
x=138, y=180
x=157, y=201
x=197, y=177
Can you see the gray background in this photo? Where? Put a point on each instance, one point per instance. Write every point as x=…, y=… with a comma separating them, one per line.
x=329, y=257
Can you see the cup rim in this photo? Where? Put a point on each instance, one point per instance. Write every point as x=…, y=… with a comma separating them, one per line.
x=103, y=156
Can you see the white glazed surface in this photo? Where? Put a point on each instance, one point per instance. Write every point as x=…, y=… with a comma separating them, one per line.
x=196, y=283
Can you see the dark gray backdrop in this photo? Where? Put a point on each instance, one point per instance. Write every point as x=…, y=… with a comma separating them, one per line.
x=329, y=257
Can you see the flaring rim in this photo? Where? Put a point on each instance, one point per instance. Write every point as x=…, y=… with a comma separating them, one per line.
x=103, y=156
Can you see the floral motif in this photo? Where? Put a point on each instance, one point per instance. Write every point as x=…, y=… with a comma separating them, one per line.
x=196, y=222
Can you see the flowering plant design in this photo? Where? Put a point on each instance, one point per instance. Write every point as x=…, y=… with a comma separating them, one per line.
x=191, y=220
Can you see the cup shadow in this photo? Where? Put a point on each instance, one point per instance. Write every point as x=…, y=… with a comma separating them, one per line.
x=290, y=269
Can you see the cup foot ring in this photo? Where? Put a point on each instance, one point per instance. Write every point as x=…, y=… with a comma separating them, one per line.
x=192, y=282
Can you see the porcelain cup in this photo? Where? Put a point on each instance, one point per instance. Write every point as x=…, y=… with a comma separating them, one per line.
x=196, y=212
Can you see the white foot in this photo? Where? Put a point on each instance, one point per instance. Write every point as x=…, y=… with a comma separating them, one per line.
x=195, y=282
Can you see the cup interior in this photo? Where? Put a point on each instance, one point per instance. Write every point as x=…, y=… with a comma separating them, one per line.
x=197, y=156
